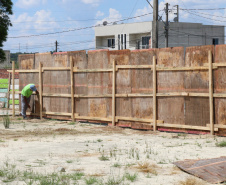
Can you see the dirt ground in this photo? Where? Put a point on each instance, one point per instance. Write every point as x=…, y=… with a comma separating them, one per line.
x=36, y=151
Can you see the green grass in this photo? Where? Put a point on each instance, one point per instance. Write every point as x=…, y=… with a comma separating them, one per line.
x=104, y=158
x=72, y=123
x=91, y=180
x=130, y=177
x=221, y=144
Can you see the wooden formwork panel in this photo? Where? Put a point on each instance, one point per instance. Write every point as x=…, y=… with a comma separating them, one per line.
x=170, y=109
x=220, y=85
x=55, y=82
x=27, y=62
x=197, y=108
x=142, y=83
x=79, y=59
x=123, y=84
x=98, y=84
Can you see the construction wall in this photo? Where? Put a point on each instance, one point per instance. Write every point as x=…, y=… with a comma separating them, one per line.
x=183, y=96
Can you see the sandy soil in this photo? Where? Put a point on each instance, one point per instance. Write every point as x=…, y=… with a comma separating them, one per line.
x=101, y=152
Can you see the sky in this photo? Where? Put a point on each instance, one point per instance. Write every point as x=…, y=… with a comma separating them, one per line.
x=38, y=24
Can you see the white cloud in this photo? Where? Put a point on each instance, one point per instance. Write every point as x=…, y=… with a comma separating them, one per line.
x=29, y=3
x=41, y=20
x=114, y=15
x=99, y=14
x=93, y=2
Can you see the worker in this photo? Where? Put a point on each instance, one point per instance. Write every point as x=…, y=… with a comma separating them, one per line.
x=25, y=98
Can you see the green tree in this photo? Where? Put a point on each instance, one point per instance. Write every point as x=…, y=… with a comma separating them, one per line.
x=5, y=11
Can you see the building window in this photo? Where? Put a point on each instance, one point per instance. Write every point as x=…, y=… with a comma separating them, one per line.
x=215, y=41
x=124, y=41
x=121, y=41
x=145, y=42
x=111, y=43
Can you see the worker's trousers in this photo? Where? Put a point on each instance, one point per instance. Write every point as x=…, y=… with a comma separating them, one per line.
x=24, y=105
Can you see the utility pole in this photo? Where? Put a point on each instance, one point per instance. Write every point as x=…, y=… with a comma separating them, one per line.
x=177, y=13
x=167, y=26
x=155, y=24
x=56, y=44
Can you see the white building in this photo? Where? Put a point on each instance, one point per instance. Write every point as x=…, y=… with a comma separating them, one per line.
x=138, y=35
x=6, y=63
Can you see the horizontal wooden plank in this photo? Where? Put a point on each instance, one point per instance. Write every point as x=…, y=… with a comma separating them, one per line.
x=185, y=126
x=182, y=68
x=93, y=118
x=136, y=119
x=219, y=64
x=24, y=71
x=216, y=95
x=217, y=126
x=91, y=70
x=219, y=95
x=55, y=69
x=134, y=67
x=56, y=95
x=173, y=94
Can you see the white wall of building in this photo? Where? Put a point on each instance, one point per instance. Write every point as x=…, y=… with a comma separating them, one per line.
x=180, y=34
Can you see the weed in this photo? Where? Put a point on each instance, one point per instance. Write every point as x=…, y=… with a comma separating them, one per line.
x=2, y=141
x=147, y=168
x=91, y=180
x=69, y=161
x=6, y=121
x=99, y=140
x=113, y=181
x=72, y=123
x=221, y=144
x=130, y=177
x=191, y=181
x=77, y=176
x=117, y=165
x=104, y=158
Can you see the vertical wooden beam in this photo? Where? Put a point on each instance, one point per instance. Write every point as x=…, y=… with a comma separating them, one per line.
x=210, y=59
x=154, y=94
x=13, y=89
x=40, y=89
x=72, y=90
x=113, y=92
x=8, y=94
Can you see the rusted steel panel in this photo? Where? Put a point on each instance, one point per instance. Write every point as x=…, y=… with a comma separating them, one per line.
x=170, y=109
x=220, y=85
x=55, y=82
x=210, y=170
x=123, y=84
x=27, y=62
x=98, y=84
x=197, y=109
x=142, y=82
x=80, y=81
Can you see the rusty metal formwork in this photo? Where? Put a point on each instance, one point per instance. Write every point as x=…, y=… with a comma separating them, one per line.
x=182, y=95
x=210, y=170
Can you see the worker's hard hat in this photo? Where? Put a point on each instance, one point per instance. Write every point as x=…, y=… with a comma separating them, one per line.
x=33, y=88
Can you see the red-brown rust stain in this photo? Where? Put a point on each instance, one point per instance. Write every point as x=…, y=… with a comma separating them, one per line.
x=27, y=63
x=173, y=57
x=198, y=56
x=220, y=73
x=60, y=60
x=221, y=112
x=97, y=110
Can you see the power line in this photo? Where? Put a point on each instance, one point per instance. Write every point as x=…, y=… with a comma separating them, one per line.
x=203, y=8
x=76, y=29
x=203, y=16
